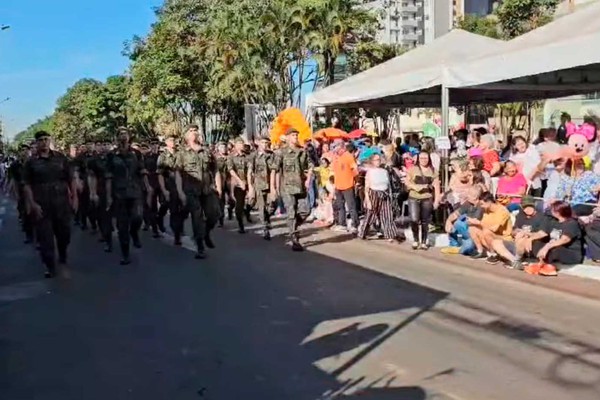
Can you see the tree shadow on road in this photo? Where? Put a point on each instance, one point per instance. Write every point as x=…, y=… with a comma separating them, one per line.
x=252, y=321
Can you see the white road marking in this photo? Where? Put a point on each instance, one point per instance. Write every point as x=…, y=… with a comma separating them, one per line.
x=583, y=271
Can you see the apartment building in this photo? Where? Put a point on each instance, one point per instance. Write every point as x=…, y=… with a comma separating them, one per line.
x=402, y=21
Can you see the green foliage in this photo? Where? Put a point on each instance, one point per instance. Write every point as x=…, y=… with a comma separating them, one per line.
x=485, y=26
x=368, y=54
x=91, y=110
x=26, y=136
x=520, y=16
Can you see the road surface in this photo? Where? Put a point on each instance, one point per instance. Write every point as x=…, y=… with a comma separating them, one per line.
x=343, y=320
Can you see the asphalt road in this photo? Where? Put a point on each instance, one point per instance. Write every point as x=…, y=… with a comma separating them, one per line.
x=343, y=320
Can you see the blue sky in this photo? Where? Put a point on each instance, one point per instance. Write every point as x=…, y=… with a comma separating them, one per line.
x=52, y=44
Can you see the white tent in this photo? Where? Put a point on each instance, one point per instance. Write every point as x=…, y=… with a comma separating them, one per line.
x=411, y=79
x=558, y=59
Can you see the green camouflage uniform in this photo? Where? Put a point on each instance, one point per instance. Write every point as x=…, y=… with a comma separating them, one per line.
x=197, y=169
x=225, y=198
x=241, y=164
x=126, y=171
x=293, y=164
x=50, y=179
x=166, y=167
x=262, y=166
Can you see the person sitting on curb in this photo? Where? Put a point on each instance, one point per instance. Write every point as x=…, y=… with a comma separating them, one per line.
x=529, y=233
x=494, y=224
x=566, y=239
x=457, y=225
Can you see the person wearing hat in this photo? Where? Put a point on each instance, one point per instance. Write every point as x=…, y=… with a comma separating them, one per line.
x=221, y=157
x=263, y=181
x=126, y=178
x=97, y=169
x=239, y=165
x=529, y=229
x=197, y=187
x=15, y=176
x=51, y=195
x=293, y=172
x=151, y=208
x=168, y=188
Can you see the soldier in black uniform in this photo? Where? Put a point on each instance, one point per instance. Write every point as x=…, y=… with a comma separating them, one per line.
x=97, y=169
x=166, y=181
x=84, y=213
x=15, y=176
x=151, y=208
x=125, y=177
x=51, y=195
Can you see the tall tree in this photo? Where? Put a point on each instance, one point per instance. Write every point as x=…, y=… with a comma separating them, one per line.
x=517, y=17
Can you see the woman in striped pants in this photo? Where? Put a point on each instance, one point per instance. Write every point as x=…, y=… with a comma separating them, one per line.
x=378, y=201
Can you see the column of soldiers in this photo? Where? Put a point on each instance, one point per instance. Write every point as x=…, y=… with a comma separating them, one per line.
x=104, y=183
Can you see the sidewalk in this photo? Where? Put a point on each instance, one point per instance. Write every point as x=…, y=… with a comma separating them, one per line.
x=580, y=280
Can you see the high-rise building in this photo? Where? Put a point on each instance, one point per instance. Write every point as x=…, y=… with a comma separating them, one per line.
x=402, y=21
x=412, y=22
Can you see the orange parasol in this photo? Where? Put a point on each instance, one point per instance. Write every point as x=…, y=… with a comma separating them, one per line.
x=357, y=134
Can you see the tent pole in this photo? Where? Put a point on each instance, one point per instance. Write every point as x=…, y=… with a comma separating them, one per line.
x=445, y=126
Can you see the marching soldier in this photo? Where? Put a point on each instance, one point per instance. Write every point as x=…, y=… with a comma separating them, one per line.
x=239, y=165
x=15, y=175
x=168, y=187
x=225, y=199
x=151, y=209
x=51, y=194
x=263, y=178
x=97, y=170
x=81, y=172
x=293, y=172
x=194, y=171
x=126, y=177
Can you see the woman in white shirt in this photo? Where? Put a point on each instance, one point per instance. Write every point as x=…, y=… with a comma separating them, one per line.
x=378, y=201
x=527, y=159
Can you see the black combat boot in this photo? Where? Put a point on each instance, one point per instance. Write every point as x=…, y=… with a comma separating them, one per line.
x=200, y=254
x=241, y=226
x=208, y=241
x=125, y=260
x=267, y=234
x=296, y=246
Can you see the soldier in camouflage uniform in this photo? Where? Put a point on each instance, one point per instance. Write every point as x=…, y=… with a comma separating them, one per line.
x=239, y=165
x=194, y=171
x=126, y=177
x=293, y=172
x=221, y=158
x=50, y=190
x=168, y=187
x=97, y=169
x=263, y=177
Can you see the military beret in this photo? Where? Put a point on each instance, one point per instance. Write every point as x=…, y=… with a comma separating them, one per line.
x=24, y=146
x=264, y=139
x=289, y=131
x=239, y=139
x=41, y=134
x=154, y=141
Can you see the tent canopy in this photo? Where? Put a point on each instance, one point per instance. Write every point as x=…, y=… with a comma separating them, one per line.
x=412, y=79
x=556, y=60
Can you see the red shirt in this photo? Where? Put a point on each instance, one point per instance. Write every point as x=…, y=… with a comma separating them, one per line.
x=490, y=157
